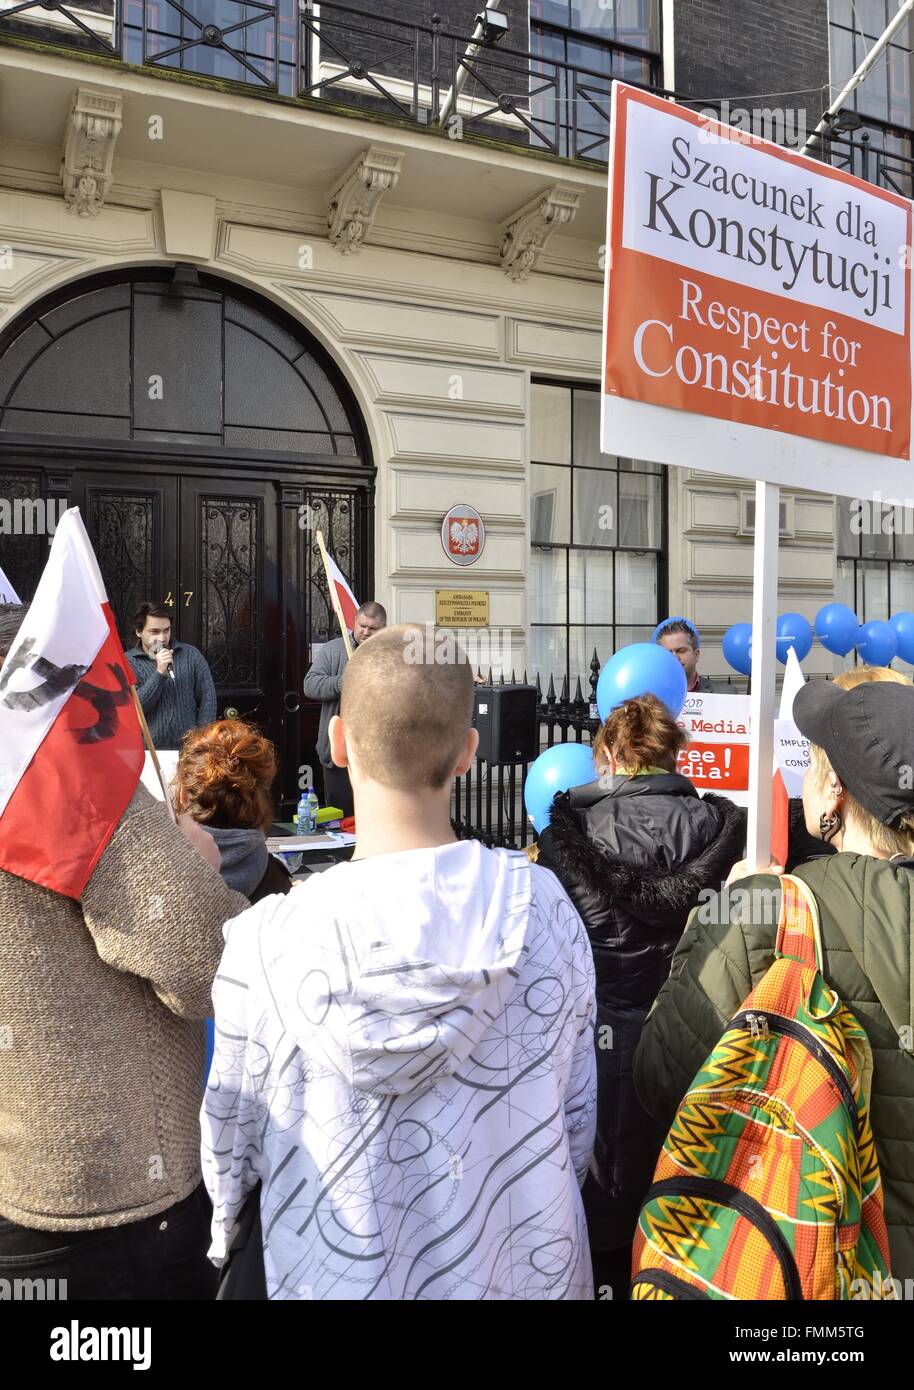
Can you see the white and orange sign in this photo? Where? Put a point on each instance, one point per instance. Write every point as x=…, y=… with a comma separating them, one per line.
x=759, y=289
x=716, y=758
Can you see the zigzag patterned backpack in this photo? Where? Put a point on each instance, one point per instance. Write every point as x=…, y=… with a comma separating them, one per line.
x=768, y=1185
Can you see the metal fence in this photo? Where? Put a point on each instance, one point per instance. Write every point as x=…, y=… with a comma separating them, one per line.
x=487, y=803
x=347, y=55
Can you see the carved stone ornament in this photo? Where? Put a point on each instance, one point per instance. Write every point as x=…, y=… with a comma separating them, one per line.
x=526, y=233
x=93, y=126
x=355, y=197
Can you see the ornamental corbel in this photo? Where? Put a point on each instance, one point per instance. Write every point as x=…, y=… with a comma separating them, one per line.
x=86, y=169
x=355, y=197
x=525, y=234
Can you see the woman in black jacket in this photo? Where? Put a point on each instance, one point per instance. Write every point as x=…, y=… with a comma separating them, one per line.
x=634, y=850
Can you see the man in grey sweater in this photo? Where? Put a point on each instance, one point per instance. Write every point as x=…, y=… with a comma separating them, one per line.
x=173, y=681
x=323, y=683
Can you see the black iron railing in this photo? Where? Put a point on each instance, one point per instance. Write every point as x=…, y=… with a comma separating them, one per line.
x=346, y=55
x=878, y=164
x=326, y=51
x=487, y=803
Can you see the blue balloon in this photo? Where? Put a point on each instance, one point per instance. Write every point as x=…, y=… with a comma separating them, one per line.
x=877, y=643
x=836, y=628
x=560, y=767
x=903, y=625
x=793, y=630
x=641, y=669
x=737, y=646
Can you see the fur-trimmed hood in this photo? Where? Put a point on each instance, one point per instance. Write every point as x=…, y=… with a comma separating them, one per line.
x=660, y=879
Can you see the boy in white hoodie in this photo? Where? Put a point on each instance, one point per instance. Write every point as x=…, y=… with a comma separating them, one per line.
x=404, y=1044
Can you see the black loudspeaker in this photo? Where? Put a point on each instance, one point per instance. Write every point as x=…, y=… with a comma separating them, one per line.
x=506, y=718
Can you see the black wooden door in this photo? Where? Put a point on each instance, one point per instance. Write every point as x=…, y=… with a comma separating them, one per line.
x=206, y=437
x=226, y=599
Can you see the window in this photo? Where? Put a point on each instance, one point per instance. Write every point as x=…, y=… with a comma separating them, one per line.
x=884, y=97
x=597, y=532
x=580, y=46
x=885, y=94
x=875, y=553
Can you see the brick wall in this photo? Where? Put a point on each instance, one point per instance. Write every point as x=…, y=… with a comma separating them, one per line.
x=741, y=47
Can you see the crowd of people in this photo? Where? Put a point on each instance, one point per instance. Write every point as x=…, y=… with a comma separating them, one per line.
x=441, y=1071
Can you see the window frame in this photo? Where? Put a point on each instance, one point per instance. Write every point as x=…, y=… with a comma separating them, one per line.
x=660, y=551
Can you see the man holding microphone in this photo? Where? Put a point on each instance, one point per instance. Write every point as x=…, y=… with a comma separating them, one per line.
x=174, y=683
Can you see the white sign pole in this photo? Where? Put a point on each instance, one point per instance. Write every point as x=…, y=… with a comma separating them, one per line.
x=764, y=656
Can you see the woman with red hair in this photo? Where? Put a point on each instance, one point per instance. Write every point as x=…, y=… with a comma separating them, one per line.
x=223, y=781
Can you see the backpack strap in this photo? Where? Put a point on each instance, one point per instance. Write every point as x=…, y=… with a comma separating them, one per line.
x=799, y=934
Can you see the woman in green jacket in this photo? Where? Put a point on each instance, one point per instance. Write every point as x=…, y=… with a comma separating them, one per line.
x=858, y=795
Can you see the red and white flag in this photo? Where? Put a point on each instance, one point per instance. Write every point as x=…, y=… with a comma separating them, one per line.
x=345, y=598
x=7, y=592
x=71, y=748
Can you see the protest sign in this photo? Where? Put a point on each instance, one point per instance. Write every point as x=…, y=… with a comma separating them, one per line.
x=756, y=322
x=762, y=291
x=716, y=758
x=791, y=755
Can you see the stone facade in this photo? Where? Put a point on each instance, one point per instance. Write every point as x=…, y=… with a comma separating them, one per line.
x=440, y=275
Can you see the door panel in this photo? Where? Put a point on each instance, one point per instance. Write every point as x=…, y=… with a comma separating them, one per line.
x=133, y=525
x=227, y=600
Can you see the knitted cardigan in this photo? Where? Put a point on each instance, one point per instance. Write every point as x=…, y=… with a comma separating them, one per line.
x=102, y=1040
x=171, y=706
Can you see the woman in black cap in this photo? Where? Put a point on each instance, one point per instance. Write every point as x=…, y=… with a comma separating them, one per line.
x=858, y=796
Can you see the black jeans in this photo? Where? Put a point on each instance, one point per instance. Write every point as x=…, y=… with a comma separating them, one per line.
x=160, y=1257
x=338, y=789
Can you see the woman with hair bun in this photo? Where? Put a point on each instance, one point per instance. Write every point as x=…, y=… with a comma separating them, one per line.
x=223, y=781
x=633, y=850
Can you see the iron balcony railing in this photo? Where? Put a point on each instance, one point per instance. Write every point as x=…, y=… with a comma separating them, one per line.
x=347, y=56
x=879, y=164
x=332, y=53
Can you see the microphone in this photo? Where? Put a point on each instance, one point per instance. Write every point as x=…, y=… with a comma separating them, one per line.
x=160, y=647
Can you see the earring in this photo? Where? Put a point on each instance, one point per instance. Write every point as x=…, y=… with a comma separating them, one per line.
x=830, y=825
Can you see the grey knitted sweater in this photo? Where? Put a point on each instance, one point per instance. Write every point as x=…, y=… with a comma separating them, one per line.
x=102, y=1042
x=171, y=706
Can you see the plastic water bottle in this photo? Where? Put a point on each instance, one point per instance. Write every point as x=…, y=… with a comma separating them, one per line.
x=313, y=808
x=304, y=815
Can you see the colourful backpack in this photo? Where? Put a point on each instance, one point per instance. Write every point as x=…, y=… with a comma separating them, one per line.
x=768, y=1185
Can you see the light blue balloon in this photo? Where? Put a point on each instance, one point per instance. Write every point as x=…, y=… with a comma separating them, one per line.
x=903, y=625
x=836, y=628
x=877, y=643
x=793, y=630
x=560, y=767
x=737, y=647
x=641, y=669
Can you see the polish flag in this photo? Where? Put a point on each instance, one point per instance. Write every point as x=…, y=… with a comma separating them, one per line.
x=71, y=748
x=7, y=592
x=345, y=598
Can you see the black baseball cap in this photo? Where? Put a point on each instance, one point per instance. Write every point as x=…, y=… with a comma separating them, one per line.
x=867, y=735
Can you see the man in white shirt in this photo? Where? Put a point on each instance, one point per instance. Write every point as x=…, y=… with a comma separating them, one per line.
x=404, y=1044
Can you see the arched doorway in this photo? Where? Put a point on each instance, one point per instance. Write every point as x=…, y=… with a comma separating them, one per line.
x=205, y=437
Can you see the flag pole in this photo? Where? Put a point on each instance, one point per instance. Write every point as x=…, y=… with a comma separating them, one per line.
x=155, y=761
x=334, y=599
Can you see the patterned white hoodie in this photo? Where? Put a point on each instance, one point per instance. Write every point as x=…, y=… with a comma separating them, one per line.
x=404, y=1057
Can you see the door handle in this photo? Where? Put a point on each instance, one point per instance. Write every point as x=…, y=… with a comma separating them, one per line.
x=292, y=702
